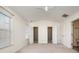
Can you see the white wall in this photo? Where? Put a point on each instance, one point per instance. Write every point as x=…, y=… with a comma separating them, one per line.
x=18, y=32
x=67, y=29
x=42, y=31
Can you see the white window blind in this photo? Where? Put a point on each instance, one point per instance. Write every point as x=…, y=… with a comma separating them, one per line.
x=5, y=31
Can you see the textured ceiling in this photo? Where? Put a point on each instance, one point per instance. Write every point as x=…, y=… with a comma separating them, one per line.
x=34, y=13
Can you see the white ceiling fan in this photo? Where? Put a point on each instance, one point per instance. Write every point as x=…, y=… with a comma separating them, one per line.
x=46, y=8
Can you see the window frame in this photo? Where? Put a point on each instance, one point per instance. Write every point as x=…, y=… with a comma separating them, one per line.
x=5, y=13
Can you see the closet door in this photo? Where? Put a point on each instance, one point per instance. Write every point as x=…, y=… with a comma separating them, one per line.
x=35, y=30
x=49, y=34
x=4, y=30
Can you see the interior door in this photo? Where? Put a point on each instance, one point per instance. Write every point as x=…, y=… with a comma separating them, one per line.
x=76, y=34
x=49, y=34
x=35, y=30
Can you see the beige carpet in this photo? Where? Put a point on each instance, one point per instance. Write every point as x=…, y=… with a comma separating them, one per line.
x=46, y=48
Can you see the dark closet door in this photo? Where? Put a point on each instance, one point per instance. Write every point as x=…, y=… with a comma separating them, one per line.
x=49, y=34
x=35, y=30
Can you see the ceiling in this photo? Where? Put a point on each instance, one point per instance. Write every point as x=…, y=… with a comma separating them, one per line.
x=34, y=13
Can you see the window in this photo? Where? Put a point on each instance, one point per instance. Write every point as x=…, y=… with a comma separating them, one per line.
x=5, y=31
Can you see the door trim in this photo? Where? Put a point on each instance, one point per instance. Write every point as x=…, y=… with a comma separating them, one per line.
x=34, y=35
x=48, y=34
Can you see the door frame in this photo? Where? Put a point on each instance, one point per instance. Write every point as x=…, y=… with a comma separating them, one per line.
x=33, y=34
x=47, y=34
x=73, y=33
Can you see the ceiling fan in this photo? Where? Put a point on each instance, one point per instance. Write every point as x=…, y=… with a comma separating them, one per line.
x=46, y=8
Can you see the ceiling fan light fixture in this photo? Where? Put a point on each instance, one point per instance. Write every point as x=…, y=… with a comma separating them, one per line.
x=46, y=8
